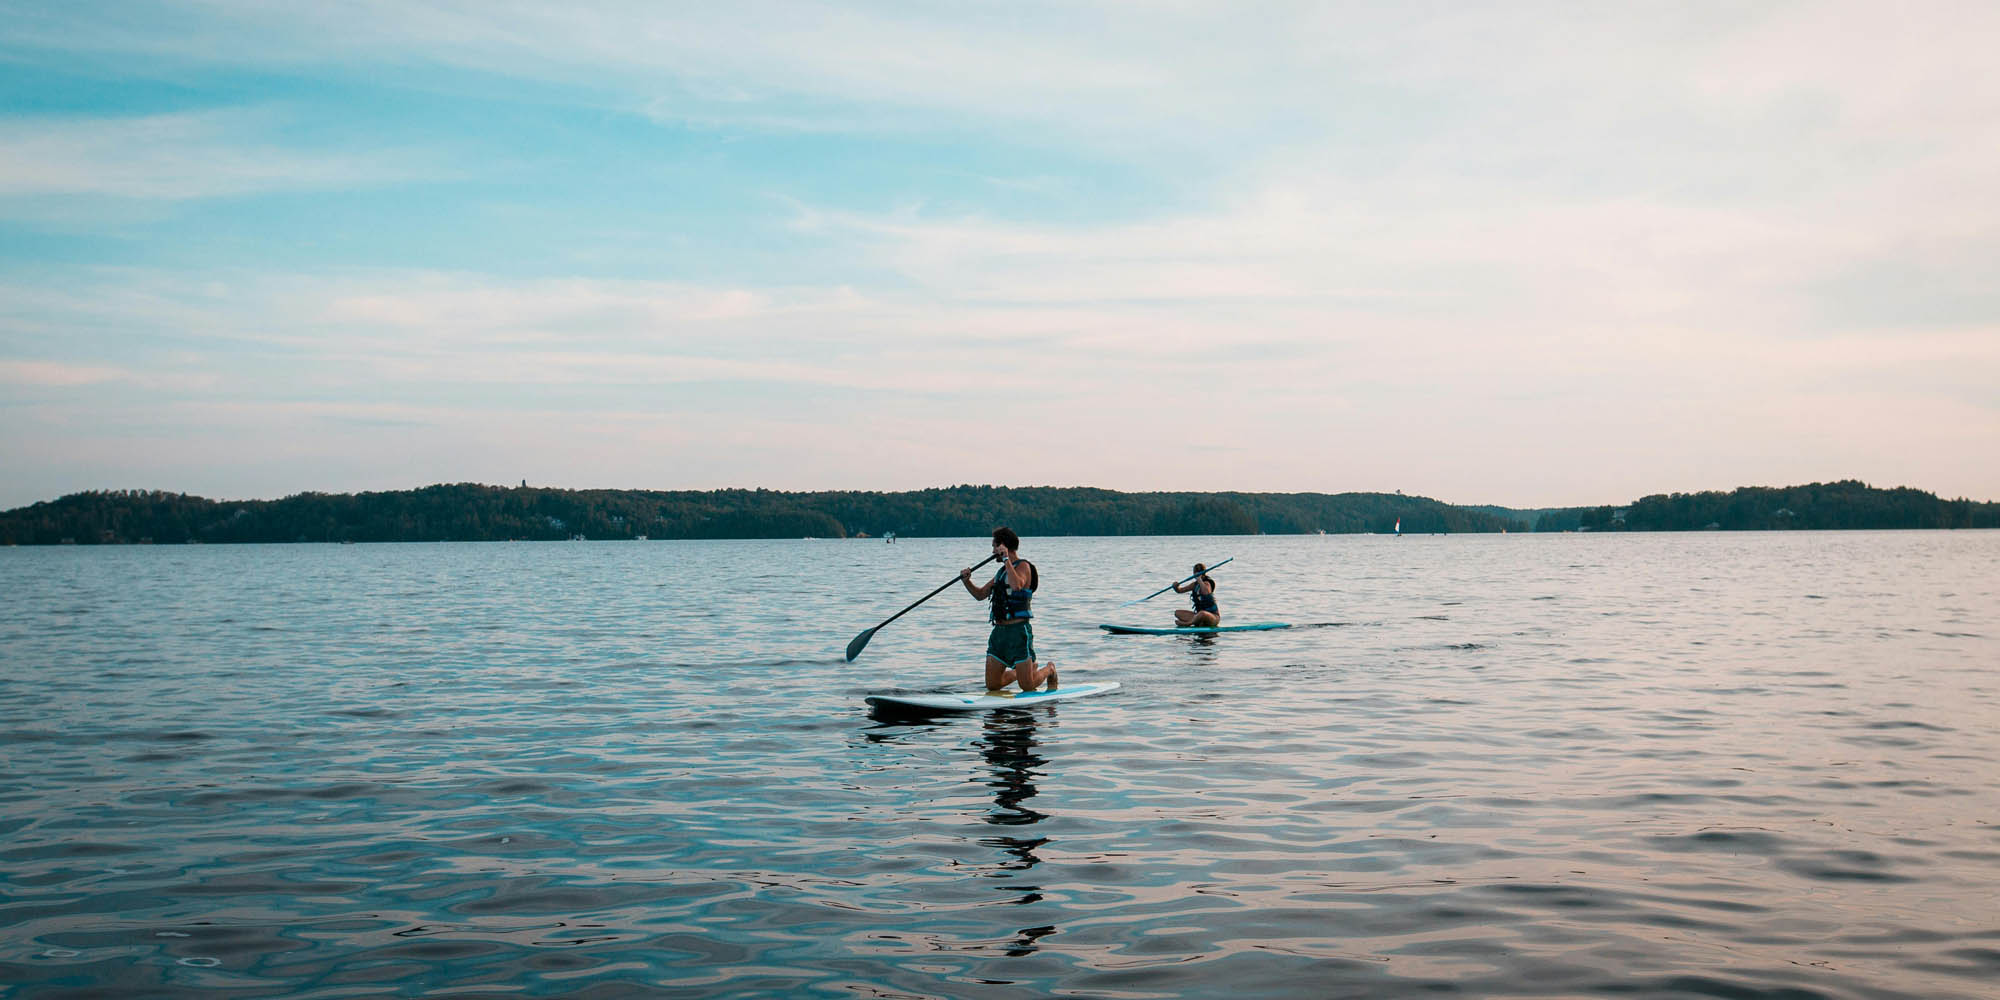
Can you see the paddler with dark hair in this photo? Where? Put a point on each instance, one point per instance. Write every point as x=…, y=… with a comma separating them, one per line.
x=1010, y=650
x=1205, y=613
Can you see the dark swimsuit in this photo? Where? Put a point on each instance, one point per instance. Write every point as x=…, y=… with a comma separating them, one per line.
x=1204, y=601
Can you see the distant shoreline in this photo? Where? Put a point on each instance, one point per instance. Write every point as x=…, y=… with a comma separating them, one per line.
x=475, y=512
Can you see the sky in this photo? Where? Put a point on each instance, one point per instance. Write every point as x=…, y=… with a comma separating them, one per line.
x=1532, y=254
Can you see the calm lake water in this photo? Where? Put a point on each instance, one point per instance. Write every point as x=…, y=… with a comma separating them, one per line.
x=1732, y=765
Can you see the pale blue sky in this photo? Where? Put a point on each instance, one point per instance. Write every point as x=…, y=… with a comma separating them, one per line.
x=1529, y=254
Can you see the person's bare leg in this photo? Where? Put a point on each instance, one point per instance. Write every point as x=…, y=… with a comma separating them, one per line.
x=1032, y=675
x=998, y=676
x=1206, y=619
x=1183, y=617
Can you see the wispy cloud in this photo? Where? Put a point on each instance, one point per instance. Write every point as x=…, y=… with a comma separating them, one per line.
x=52, y=373
x=1326, y=395
x=173, y=157
x=65, y=375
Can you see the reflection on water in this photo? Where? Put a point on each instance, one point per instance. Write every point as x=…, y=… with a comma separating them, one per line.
x=1008, y=746
x=1718, y=765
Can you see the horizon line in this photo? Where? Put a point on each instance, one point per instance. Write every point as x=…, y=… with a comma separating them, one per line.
x=753, y=489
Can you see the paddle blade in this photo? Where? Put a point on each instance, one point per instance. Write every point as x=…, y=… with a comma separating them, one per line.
x=860, y=643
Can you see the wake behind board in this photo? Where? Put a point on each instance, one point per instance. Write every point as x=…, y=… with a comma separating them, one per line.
x=983, y=700
x=1193, y=630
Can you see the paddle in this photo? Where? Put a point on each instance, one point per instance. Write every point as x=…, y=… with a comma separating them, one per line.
x=1174, y=584
x=861, y=641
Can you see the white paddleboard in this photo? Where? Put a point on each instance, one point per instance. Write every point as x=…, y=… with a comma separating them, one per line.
x=982, y=700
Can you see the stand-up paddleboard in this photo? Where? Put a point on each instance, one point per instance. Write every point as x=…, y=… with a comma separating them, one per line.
x=983, y=700
x=1193, y=629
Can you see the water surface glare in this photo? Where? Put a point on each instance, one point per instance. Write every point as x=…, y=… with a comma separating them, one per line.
x=1729, y=765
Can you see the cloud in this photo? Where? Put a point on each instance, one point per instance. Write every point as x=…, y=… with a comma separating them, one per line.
x=1187, y=75
x=51, y=373
x=64, y=375
x=789, y=386
x=757, y=63
x=171, y=157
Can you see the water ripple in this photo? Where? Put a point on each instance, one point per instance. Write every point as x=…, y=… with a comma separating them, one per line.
x=1520, y=766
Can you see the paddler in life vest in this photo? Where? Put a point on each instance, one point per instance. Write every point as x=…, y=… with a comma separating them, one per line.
x=1010, y=650
x=1205, y=614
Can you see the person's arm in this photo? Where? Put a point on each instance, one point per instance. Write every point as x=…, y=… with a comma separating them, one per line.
x=1179, y=589
x=979, y=591
x=1019, y=574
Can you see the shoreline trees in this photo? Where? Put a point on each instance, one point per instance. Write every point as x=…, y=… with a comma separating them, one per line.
x=475, y=512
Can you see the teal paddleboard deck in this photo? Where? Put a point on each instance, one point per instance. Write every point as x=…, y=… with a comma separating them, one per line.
x=1193, y=630
x=983, y=700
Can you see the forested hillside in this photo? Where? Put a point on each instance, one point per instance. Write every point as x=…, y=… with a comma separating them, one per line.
x=472, y=512
x=466, y=512
x=1844, y=504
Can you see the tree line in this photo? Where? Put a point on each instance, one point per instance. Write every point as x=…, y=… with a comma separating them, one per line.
x=474, y=512
x=1815, y=506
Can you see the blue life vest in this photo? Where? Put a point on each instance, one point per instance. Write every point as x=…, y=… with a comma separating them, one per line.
x=1009, y=603
x=1204, y=602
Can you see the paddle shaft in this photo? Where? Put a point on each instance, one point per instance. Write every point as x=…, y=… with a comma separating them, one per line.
x=1177, y=583
x=932, y=594
x=861, y=641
